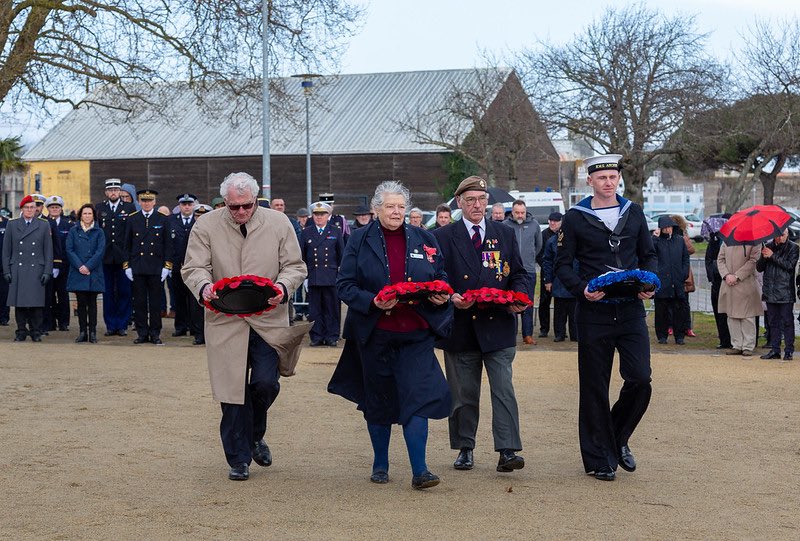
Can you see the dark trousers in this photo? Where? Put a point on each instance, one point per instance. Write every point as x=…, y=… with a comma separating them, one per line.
x=243, y=425
x=602, y=431
x=5, y=311
x=668, y=314
x=183, y=304
x=146, y=302
x=324, y=309
x=720, y=319
x=781, y=321
x=116, y=298
x=29, y=320
x=684, y=314
x=544, y=308
x=87, y=310
x=527, y=315
x=56, y=315
x=563, y=311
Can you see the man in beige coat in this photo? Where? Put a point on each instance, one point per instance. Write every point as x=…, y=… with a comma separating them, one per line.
x=243, y=238
x=739, y=295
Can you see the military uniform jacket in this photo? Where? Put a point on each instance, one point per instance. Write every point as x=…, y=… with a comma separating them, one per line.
x=498, y=265
x=60, y=231
x=27, y=255
x=322, y=254
x=113, y=226
x=147, y=243
x=179, y=236
x=585, y=237
x=3, y=224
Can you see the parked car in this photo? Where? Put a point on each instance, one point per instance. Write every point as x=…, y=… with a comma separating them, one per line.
x=794, y=227
x=693, y=221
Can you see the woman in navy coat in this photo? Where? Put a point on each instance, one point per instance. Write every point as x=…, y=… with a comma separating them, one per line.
x=388, y=366
x=86, y=245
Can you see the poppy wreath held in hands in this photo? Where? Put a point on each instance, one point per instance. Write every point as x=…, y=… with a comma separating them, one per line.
x=622, y=286
x=250, y=290
x=490, y=296
x=412, y=292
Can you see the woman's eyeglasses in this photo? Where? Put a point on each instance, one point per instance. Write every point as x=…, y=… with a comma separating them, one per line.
x=246, y=206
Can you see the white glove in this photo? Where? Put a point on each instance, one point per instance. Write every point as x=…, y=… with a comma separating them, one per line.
x=164, y=274
x=129, y=274
x=55, y=273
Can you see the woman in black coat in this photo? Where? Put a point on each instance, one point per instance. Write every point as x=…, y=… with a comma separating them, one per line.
x=388, y=366
x=673, y=269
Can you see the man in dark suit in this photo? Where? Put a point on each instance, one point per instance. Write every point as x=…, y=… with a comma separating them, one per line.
x=322, y=247
x=188, y=312
x=56, y=314
x=337, y=220
x=149, y=262
x=480, y=253
x=112, y=215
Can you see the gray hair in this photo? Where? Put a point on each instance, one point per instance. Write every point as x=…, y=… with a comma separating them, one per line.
x=415, y=210
x=498, y=205
x=241, y=182
x=390, y=187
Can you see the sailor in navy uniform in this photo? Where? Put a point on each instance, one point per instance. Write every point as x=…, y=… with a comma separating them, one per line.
x=480, y=253
x=149, y=262
x=5, y=311
x=337, y=220
x=322, y=247
x=605, y=232
x=188, y=312
x=56, y=313
x=112, y=215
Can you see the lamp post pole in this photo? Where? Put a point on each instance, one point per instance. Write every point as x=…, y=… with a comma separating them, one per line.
x=266, y=173
x=307, y=84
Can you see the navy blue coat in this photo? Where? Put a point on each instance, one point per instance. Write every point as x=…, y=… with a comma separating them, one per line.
x=147, y=243
x=673, y=266
x=113, y=225
x=85, y=248
x=60, y=232
x=322, y=253
x=179, y=236
x=489, y=329
x=548, y=270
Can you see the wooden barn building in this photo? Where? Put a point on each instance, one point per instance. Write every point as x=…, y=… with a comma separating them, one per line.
x=356, y=133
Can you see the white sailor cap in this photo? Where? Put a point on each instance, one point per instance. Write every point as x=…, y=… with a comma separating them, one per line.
x=54, y=200
x=606, y=161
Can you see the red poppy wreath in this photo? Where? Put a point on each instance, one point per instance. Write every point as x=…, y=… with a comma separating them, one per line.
x=490, y=296
x=412, y=292
x=243, y=296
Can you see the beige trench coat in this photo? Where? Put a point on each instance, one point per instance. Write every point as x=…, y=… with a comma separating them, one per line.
x=217, y=249
x=742, y=300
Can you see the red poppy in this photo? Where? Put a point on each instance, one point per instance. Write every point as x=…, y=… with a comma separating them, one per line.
x=232, y=283
x=488, y=296
x=411, y=292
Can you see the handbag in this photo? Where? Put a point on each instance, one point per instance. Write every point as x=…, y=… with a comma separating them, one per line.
x=688, y=284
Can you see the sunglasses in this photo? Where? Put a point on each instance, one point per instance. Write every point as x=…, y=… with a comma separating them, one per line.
x=246, y=206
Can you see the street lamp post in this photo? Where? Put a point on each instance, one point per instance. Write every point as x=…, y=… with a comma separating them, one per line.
x=266, y=172
x=307, y=84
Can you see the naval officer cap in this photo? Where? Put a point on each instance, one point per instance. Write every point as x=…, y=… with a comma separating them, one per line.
x=606, y=161
x=146, y=195
x=473, y=184
x=326, y=198
x=186, y=198
x=113, y=183
x=320, y=208
x=54, y=200
x=38, y=198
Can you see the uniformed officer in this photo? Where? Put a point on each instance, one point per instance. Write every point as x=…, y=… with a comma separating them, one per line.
x=606, y=232
x=149, y=249
x=27, y=267
x=56, y=314
x=112, y=215
x=39, y=199
x=188, y=312
x=480, y=253
x=322, y=248
x=336, y=219
x=5, y=311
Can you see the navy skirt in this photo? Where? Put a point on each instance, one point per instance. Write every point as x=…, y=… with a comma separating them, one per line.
x=393, y=377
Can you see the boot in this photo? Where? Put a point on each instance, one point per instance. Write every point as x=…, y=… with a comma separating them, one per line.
x=92, y=336
x=81, y=337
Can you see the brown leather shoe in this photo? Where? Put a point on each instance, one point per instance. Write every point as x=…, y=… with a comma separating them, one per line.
x=733, y=352
x=530, y=340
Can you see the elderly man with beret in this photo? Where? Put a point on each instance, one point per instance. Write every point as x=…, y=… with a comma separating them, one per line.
x=27, y=268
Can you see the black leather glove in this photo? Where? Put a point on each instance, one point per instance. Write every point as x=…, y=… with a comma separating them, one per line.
x=8, y=277
x=45, y=278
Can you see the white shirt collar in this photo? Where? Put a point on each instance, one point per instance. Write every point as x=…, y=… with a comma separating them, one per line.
x=469, y=225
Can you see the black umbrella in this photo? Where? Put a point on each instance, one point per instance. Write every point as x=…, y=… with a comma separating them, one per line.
x=496, y=195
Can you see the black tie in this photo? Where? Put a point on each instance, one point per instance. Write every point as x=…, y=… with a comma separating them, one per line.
x=476, y=237
x=243, y=229
x=186, y=222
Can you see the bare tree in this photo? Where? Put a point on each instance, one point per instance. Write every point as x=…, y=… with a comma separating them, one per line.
x=57, y=51
x=624, y=84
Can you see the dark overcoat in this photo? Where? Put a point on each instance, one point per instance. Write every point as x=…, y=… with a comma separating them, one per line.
x=27, y=255
x=147, y=244
x=673, y=266
x=322, y=253
x=85, y=248
x=484, y=329
x=179, y=236
x=60, y=231
x=113, y=225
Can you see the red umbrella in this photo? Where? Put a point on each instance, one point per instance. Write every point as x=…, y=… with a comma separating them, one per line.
x=755, y=225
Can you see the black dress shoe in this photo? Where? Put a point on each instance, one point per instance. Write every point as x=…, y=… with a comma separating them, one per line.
x=316, y=343
x=424, y=480
x=662, y=340
x=720, y=346
x=37, y=337
x=64, y=328
x=542, y=335
x=122, y=332
x=787, y=357
x=771, y=355
x=141, y=340
x=509, y=461
x=261, y=454
x=380, y=477
x=240, y=472
x=198, y=341
x=679, y=341
x=82, y=337
x=332, y=343
x=110, y=333
x=605, y=474
x=626, y=460
x=20, y=337
x=156, y=340
x=179, y=333
x=559, y=339
x=464, y=459
x=92, y=337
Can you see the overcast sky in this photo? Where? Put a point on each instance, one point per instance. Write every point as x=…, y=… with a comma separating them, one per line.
x=412, y=35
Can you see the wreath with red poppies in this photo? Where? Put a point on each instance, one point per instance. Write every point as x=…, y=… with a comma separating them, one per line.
x=255, y=289
x=491, y=296
x=413, y=292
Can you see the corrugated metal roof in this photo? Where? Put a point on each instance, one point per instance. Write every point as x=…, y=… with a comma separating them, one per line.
x=350, y=114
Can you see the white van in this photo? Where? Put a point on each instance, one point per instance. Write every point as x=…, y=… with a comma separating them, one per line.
x=541, y=204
